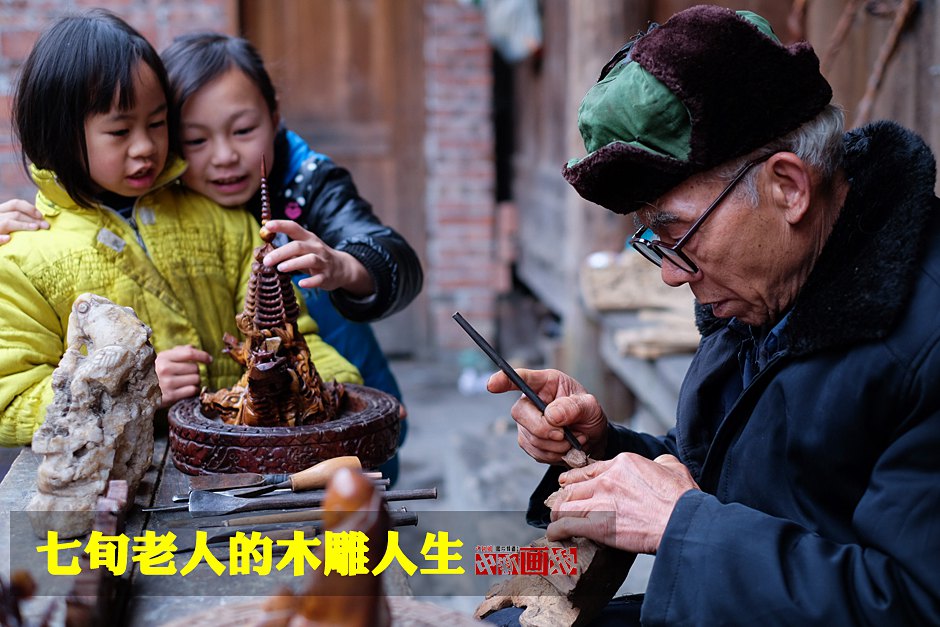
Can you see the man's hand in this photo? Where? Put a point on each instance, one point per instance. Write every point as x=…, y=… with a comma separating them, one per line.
x=178, y=372
x=329, y=269
x=19, y=215
x=624, y=502
x=569, y=404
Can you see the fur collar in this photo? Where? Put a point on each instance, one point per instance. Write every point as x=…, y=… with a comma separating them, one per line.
x=865, y=274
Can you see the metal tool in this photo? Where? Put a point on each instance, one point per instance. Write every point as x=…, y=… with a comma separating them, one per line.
x=512, y=374
x=186, y=542
x=276, y=531
x=311, y=478
x=248, y=491
x=303, y=515
x=216, y=482
x=203, y=503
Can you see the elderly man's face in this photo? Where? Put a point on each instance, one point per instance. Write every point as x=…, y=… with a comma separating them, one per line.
x=744, y=253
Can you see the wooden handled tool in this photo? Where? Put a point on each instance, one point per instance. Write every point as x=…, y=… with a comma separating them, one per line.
x=233, y=481
x=313, y=478
x=186, y=540
x=213, y=503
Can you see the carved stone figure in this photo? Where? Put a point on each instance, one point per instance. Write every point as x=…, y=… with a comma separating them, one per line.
x=280, y=387
x=100, y=423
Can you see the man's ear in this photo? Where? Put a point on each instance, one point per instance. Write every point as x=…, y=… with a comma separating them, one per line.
x=790, y=185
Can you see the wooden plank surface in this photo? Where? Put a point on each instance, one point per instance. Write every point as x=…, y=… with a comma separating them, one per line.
x=154, y=600
x=654, y=382
x=18, y=542
x=159, y=600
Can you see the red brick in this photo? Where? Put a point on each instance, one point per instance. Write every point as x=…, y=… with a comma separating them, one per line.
x=16, y=44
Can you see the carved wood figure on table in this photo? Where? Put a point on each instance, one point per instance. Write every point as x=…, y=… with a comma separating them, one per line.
x=281, y=386
x=280, y=417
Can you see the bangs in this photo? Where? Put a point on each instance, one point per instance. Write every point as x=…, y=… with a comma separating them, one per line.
x=114, y=69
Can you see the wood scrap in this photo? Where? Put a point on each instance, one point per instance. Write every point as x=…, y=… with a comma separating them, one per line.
x=652, y=342
x=554, y=600
x=560, y=598
x=627, y=282
x=22, y=587
x=98, y=597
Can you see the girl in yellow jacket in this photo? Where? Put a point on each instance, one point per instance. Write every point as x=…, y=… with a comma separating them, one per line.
x=91, y=114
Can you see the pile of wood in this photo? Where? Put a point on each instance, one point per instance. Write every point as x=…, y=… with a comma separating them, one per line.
x=626, y=282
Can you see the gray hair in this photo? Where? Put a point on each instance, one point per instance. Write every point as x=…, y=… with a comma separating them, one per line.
x=817, y=142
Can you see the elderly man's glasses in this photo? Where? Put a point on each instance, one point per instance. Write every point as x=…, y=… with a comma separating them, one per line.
x=656, y=250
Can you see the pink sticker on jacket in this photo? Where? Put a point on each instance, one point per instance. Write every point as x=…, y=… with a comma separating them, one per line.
x=292, y=210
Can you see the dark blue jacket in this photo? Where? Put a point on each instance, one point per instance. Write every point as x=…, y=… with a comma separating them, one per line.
x=821, y=479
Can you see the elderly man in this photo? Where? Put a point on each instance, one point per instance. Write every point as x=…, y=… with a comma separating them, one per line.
x=801, y=484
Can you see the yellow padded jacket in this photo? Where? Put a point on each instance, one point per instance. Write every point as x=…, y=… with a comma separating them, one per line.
x=184, y=272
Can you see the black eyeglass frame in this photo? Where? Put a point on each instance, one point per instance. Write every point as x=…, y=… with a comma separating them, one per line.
x=655, y=250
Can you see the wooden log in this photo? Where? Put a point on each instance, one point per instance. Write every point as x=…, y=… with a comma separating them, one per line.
x=561, y=599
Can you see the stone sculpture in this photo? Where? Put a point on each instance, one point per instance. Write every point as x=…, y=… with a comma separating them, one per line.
x=281, y=386
x=100, y=423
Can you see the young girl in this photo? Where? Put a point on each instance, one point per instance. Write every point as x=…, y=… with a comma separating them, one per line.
x=92, y=117
x=229, y=119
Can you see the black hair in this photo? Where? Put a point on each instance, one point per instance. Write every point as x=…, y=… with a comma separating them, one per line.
x=74, y=70
x=194, y=60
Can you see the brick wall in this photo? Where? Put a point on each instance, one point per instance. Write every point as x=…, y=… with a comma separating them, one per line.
x=21, y=21
x=464, y=271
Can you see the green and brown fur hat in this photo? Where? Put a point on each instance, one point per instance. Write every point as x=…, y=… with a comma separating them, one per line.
x=709, y=85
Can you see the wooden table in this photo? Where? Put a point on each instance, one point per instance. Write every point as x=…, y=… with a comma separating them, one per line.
x=154, y=600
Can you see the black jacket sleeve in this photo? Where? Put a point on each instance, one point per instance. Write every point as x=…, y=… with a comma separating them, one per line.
x=322, y=197
x=345, y=221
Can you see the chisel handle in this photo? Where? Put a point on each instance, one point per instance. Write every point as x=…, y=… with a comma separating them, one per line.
x=318, y=475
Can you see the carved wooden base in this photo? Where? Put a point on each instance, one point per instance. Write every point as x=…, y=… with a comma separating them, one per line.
x=368, y=427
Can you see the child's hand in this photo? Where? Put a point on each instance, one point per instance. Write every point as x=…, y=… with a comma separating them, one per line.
x=19, y=215
x=329, y=269
x=178, y=372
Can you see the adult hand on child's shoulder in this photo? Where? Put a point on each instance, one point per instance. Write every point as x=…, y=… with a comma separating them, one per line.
x=178, y=372
x=19, y=215
x=329, y=269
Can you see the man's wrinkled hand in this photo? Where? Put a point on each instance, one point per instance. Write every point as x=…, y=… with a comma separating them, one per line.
x=624, y=502
x=568, y=404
